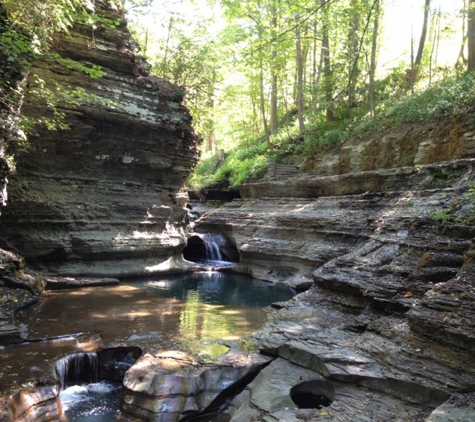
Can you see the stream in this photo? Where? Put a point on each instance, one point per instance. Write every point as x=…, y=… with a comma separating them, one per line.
x=194, y=311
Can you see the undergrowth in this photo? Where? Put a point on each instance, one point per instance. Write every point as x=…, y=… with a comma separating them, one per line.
x=248, y=161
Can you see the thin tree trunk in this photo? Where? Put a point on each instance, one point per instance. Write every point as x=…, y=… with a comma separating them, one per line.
x=461, y=57
x=314, y=67
x=353, y=52
x=433, y=51
x=327, y=71
x=167, y=46
x=262, y=96
x=274, y=84
x=420, y=50
x=374, y=47
x=300, y=99
x=471, y=35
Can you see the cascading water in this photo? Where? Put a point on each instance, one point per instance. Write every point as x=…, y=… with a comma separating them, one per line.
x=91, y=383
x=212, y=249
x=78, y=368
x=212, y=243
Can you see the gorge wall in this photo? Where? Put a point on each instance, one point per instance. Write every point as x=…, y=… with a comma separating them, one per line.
x=388, y=259
x=449, y=136
x=102, y=197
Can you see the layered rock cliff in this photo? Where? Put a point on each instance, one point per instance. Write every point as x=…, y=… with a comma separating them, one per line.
x=449, y=136
x=387, y=321
x=102, y=197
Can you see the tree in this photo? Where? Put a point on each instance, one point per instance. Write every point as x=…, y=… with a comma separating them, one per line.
x=327, y=68
x=471, y=35
x=416, y=64
x=300, y=99
x=373, y=60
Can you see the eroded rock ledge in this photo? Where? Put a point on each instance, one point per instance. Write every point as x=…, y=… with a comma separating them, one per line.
x=102, y=198
x=388, y=319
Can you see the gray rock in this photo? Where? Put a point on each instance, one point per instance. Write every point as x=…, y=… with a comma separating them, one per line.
x=169, y=385
x=104, y=198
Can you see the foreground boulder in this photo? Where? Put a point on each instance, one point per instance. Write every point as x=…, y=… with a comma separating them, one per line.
x=169, y=385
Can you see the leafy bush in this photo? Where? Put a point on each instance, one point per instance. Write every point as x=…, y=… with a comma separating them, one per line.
x=241, y=165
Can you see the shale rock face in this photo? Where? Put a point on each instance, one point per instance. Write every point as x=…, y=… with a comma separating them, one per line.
x=388, y=319
x=445, y=137
x=102, y=198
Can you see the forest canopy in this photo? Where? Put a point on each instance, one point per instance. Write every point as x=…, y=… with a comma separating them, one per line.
x=281, y=78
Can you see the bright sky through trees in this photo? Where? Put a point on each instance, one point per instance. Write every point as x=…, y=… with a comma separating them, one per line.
x=237, y=59
x=403, y=20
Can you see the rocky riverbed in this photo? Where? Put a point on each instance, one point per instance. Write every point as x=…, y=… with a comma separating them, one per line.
x=388, y=317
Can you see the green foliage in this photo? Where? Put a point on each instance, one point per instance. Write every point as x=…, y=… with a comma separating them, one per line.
x=447, y=97
x=460, y=210
x=240, y=165
x=95, y=21
x=16, y=50
x=442, y=216
x=42, y=19
x=26, y=36
x=56, y=99
x=93, y=71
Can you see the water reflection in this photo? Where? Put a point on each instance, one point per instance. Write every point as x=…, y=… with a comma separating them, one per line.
x=217, y=305
x=216, y=287
x=199, y=306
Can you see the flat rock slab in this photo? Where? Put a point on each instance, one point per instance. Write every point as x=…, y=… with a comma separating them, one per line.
x=459, y=408
x=58, y=283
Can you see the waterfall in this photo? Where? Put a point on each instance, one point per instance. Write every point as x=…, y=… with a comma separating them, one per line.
x=78, y=368
x=212, y=243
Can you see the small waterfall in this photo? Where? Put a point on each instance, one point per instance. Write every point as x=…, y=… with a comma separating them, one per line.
x=212, y=243
x=78, y=368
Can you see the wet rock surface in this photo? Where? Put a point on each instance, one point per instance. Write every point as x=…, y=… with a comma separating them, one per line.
x=388, y=319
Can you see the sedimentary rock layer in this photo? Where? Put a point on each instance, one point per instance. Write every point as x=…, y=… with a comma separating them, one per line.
x=103, y=196
x=445, y=137
x=388, y=319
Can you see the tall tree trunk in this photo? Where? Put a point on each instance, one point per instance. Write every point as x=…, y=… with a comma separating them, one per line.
x=353, y=54
x=471, y=35
x=374, y=48
x=416, y=67
x=314, y=68
x=262, y=95
x=435, y=44
x=167, y=47
x=300, y=99
x=461, y=57
x=274, y=83
x=327, y=71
